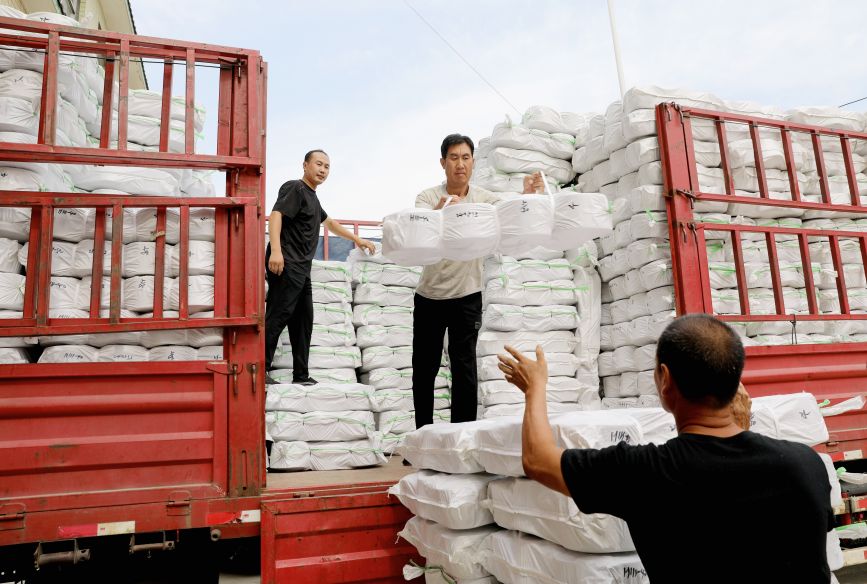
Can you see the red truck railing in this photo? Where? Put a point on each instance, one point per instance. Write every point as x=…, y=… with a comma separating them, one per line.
x=832, y=371
x=143, y=446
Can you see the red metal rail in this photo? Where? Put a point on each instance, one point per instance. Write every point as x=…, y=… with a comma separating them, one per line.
x=142, y=444
x=835, y=371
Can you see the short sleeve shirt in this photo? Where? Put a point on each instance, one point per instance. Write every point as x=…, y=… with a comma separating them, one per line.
x=704, y=509
x=302, y=216
x=449, y=279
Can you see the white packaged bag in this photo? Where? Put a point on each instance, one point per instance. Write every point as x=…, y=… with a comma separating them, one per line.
x=499, y=446
x=794, y=417
x=15, y=342
x=559, y=365
x=505, y=317
x=378, y=335
x=413, y=237
x=69, y=354
x=121, y=353
x=372, y=314
x=12, y=291
x=526, y=221
x=388, y=378
x=528, y=270
x=498, y=392
x=379, y=357
x=457, y=552
x=331, y=292
x=332, y=357
x=446, y=447
x=453, y=501
x=527, y=506
x=512, y=556
x=493, y=342
x=344, y=455
x=556, y=292
x=14, y=356
x=470, y=231
x=579, y=217
x=332, y=314
x=336, y=335
x=287, y=455
x=172, y=353
x=330, y=271
x=322, y=397
x=540, y=117
x=326, y=376
x=384, y=295
x=385, y=274
x=395, y=422
x=210, y=353
x=554, y=144
x=517, y=410
x=135, y=181
x=337, y=426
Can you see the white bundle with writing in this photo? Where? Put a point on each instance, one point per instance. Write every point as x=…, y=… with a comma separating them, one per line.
x=525, y=505
x=526, y=221
x=121, y=353
x=470, y=231
x=446, y=447
x=457, y=552
x=69, y=354
x=794, y=417
x=578, y=218
x=172, y=353
x=413, y=237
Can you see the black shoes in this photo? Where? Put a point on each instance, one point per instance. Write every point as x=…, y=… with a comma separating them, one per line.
x=305, y=381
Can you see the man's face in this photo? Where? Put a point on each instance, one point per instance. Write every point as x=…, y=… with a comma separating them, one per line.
x=458, y=164
x=317, y=168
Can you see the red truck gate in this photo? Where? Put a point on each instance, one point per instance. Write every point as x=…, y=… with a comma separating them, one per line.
x=834, y=371
x=98, y=448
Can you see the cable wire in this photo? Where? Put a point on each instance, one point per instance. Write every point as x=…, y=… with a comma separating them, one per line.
x=461, y=57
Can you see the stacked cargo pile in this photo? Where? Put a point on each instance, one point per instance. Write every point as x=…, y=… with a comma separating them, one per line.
x=328, y=425
x=545, y=140
x=621, y=160
x=478, y=519
x=382, y=311
x=530, y=302
x=80, y=86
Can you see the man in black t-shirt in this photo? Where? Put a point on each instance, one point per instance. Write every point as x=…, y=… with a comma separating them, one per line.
x=717, y=503
x=293, y=234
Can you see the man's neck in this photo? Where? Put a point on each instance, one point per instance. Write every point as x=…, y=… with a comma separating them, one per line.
x=708, y=422
x=307, y=182
x=458, y=190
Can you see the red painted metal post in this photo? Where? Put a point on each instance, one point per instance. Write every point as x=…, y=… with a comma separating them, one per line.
x=183, y=251
x=115, y=290
x=98, y=262
x=166, y=106
x=107, y=100
x=123, y=96
x=159, y=261
x=190, y=112
x=759, y=159
x=49, y=101
x=792, y=171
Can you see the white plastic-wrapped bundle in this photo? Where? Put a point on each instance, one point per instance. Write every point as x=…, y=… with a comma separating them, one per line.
x=470, y=231
x=372, y=314
x=121, y=353
x=12, y=291
x=384, y=295
x=457, y=552
x=332, y=314
x=378, y=335
x=524, y=505
x=172, y=353
x=335, y=335
x=540, y=117
x=446, y=448
x=135, y=181
x=413, y=237
x=507, y=317
x=559, y=365
x=385, y=356
x=395, y=422
x=331, y=292
x=70, y=354
x=578, y=217
x=345, y=454
x=202, y=224
x=322, y=397
x=391, y=378
x=493, y=342
x=320, y=357
x=528, y=270
x=556, y=292
x=330, y=271
x=517, y=410
x=526, y=221
x=556, y=144
x=385, y=274
x=95, y=340
x=198, y=183
x=323, y=376
x=14, y=342
x=559, y=389
x=291, y=456
x=512, y=556
x=335, y=426
x=499, y=446
x=143, y=102
x=453, y=501
x=210, y=353
x=385, y=400
x=13, y=356
x=793, y=416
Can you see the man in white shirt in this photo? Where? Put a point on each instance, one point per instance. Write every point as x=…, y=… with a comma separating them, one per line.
x=449, y=295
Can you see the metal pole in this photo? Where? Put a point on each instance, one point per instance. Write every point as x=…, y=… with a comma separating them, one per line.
x=616, y=41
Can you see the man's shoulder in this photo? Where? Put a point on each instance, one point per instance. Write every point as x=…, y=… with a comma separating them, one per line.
x=482, y=195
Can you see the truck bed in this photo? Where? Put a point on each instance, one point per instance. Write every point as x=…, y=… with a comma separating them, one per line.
x=391, y=472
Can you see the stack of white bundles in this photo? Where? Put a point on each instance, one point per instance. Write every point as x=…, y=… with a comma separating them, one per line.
x=333, y=351
x=12, y=286
x=530, y=302
x=382, y=314
x=326, y=426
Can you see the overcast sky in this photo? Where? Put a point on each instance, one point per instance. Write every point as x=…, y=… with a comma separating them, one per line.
x=368, y=81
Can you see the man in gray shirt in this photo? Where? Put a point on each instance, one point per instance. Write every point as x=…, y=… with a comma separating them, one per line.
x=449, y=295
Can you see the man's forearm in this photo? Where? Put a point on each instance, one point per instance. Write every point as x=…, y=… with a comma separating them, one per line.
x=275, y=224
x=541, y=455
x=341, y=231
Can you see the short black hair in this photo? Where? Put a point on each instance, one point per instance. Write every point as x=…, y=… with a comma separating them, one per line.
x=312, y=152
x=705, y=357
x=452, y=140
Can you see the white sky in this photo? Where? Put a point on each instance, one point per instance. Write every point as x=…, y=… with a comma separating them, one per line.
x=370, y=83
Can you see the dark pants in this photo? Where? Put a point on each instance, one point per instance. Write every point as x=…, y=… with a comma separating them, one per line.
x=462, y=317
x=289, y=303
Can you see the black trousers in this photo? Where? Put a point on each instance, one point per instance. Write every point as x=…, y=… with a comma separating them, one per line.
x=462, y=317
x=289, y=304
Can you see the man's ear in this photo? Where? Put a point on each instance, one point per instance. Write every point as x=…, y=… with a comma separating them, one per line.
x=666, y=385
x=443, y=163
